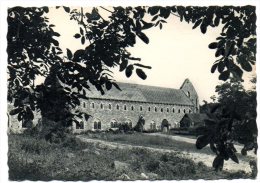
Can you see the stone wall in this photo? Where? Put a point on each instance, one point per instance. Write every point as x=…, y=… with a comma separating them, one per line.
x=125, y=113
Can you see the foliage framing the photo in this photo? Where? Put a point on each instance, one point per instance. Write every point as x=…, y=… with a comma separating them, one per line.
x=34, y=51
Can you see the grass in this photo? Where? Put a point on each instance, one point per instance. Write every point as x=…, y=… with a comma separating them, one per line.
x=150, y=141
x=30, y=158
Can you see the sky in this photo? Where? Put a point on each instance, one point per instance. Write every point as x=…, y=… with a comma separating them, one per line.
x=175, y=53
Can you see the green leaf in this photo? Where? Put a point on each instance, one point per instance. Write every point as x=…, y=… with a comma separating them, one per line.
x=221, y=66
x=129, y=71
x=143, y=37
x=224, y=75
x=56, y=34
x=246, y=66
x=146, y=25
x=82, y=40
x=67, y=9
x=214, y=67
x=116, y=85
x=155, y=17
x=15, y=111
x=203, y=28
x=213, y=45
x=108, y=85
x=69, y=54
x=160, y=25
x=153, y=10
x=141, y=74
x=77, y=36
x=202, y=141
x=197, y=23
x=123, y=65
x=218, y=163
x=81, y=31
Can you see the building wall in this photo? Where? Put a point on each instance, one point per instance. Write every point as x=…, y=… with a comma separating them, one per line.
x=126, y=114
x=15, y=126
x=190, y=91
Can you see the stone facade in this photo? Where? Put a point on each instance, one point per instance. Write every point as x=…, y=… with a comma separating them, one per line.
x=110, y=110
x=153, y=103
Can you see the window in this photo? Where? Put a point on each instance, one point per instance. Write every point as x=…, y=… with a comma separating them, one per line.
x=112, y=124
x=93, y=105
x=155, y=109
x=80, y=125
x=109, y=106
x=95, y=125
x=184, y=111
x=99, y=125
x=179, y=111
x=149, y=108
x=132, y=108
x=161, y=109
x=130, y=124
x=117, y=107
x=153, y=126
x=141, y=108
x=167, y=109
x=189, y=111
x=84, y=104
x=101, y=106
x=173, y=110
x=125, y=107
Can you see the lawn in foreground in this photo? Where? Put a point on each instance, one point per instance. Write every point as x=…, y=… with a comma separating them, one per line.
x=30, y=158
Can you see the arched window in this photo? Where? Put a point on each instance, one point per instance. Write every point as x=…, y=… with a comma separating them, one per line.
x=109, y=106
x=161, y=109
x=141, y=108
x=84, y=104
x=179, y=111
x=132, y=108
x=125, y=107
x=130, y=124
x=184, y=111
x=189, y=111
x=167, y=109
x=93, y=105
x=155, y=109
x=80, y=125
x=173, y=110
x=152, y=125
x=188, y=94
x=149, y=108
x=99, y=125
x=95, y=125
x=101, y=106
x=117, y=107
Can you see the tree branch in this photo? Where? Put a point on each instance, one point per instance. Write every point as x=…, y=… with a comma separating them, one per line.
x=106, y=9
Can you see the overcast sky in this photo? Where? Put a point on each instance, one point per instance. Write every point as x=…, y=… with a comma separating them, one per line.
x=175, y=53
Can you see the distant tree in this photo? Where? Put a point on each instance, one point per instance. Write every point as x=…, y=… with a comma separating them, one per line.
x=232, y=119
x=139, y=127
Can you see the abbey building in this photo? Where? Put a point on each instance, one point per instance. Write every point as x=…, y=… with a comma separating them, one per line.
x=154, y=104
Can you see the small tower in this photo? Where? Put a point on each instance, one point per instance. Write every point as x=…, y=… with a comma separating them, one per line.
x=191, y=93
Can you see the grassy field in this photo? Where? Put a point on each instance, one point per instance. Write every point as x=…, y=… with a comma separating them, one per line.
x=30, y=158
x=149, y=141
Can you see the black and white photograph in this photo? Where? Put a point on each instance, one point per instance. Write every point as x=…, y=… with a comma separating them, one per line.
x=130, y=91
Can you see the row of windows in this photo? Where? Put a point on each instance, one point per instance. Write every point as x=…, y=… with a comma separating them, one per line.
x=97, y=125
x=141, y=108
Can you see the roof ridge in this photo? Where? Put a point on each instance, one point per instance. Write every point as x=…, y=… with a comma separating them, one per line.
x=118, y=82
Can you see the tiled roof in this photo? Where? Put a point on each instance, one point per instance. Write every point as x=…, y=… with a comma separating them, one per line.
x=143, y=93
x=197, y=118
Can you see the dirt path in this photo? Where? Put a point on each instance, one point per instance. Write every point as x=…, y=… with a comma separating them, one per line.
x=207, y=159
